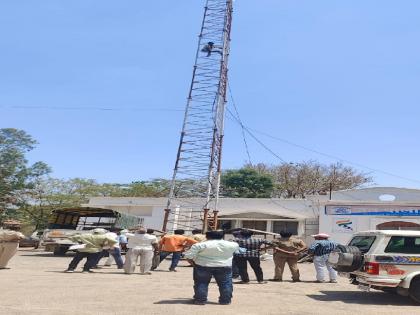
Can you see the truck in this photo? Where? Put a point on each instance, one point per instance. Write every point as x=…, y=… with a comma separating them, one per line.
x=64, y=223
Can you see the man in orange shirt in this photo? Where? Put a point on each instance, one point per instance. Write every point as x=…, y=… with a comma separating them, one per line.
x=175, y=245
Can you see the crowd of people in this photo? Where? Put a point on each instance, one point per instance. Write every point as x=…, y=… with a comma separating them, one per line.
x=210, y=255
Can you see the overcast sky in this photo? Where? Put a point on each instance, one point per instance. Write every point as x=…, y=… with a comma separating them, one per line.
x=337, y=77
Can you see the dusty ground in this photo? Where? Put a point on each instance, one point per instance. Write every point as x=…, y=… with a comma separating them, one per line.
x=35, y=284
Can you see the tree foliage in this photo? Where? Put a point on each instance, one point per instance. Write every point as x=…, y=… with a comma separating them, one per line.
x=297, y=180
x=246, y=183
x=16, y=176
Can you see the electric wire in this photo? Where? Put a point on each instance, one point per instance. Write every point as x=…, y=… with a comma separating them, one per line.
x=94, y=108
x=251, y=130
x=241, y=124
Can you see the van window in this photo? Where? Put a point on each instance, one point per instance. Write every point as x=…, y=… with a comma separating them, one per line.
x=364, y=243
x=404, y=245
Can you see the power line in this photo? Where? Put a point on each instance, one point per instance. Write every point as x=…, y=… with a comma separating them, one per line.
x=336, y=157
x=241, y=124
x=95, y=108
x=255, y=138
x=249, y=131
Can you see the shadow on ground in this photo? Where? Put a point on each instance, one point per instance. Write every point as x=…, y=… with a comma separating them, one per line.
x=181, y=301
x=365, y=298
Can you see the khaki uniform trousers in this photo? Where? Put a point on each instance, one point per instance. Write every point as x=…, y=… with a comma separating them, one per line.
x=7, y=251
x=280, y=262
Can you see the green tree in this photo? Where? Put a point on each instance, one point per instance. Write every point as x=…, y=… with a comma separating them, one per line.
x=246, y=183
x=16, y=176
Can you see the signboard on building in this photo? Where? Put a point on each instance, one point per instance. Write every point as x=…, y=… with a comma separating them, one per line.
x=344, y=225
x=373, y=210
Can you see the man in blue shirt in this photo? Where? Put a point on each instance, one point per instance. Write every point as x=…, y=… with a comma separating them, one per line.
x=321, y=249
x=212, y=258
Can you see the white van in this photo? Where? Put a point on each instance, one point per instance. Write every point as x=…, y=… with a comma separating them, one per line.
x=386, y=260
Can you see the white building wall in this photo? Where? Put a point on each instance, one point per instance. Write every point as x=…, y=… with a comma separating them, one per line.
x=341, y=227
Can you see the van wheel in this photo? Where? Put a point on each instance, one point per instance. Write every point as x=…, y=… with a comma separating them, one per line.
x=414, y=290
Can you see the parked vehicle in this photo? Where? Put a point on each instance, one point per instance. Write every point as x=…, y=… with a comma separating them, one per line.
x=387, y=260
x=64, y=223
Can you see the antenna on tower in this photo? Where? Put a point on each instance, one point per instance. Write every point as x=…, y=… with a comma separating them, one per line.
x=194, y=192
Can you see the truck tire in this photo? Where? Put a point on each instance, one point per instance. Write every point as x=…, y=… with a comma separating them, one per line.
x=357, y=260
x=414, y=291
x=60, y=251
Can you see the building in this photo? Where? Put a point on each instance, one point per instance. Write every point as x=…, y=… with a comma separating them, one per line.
x=378, y=208
x=347, y=212
x=300, y=216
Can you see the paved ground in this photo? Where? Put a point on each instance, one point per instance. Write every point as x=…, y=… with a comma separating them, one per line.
x=35, y=284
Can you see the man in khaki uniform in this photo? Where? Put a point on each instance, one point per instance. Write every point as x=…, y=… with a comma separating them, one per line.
x=286, y=249
x=9, y=244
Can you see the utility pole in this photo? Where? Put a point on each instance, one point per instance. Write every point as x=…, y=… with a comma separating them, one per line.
x=194, y=192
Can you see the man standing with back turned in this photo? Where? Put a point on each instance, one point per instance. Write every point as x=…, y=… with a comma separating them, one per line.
x=212, y=258
x=175, y=245
x=321, y=249
x=286, y=250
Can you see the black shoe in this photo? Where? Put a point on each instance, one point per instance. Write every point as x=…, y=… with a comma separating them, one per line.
x=224, y=303
x=199, y=302
x=297, y=280
x=242, y=282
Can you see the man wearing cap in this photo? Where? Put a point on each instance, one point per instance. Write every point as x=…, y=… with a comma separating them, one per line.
x=286, y=250
x=94, y=243
x=321, y=249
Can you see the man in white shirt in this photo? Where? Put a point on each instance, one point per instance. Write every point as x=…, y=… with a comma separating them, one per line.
x=212, y=258
x=143, y=245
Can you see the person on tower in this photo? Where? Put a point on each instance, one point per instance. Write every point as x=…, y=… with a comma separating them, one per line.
x=210, y=47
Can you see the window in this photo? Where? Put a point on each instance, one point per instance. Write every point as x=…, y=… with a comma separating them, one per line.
x=255, y=225
x=364, y=243
x=404, y=245
x=88, y=223
x=288, y=226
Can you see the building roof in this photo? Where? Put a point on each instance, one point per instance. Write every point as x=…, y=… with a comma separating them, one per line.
x=378, y=195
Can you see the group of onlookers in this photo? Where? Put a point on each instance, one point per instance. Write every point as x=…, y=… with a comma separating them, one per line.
x=209, y=254
x=217, y=258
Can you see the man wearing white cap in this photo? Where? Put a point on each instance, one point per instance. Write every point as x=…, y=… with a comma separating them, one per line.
x=321, y=249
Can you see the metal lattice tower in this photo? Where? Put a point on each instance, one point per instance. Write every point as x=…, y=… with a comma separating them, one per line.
x=193, y=197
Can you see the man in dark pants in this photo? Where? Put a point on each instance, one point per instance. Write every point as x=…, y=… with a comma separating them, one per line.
x=91, y=259
x=251, y=255
x=212, y=258
x=174, y=244
x=94, y=243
